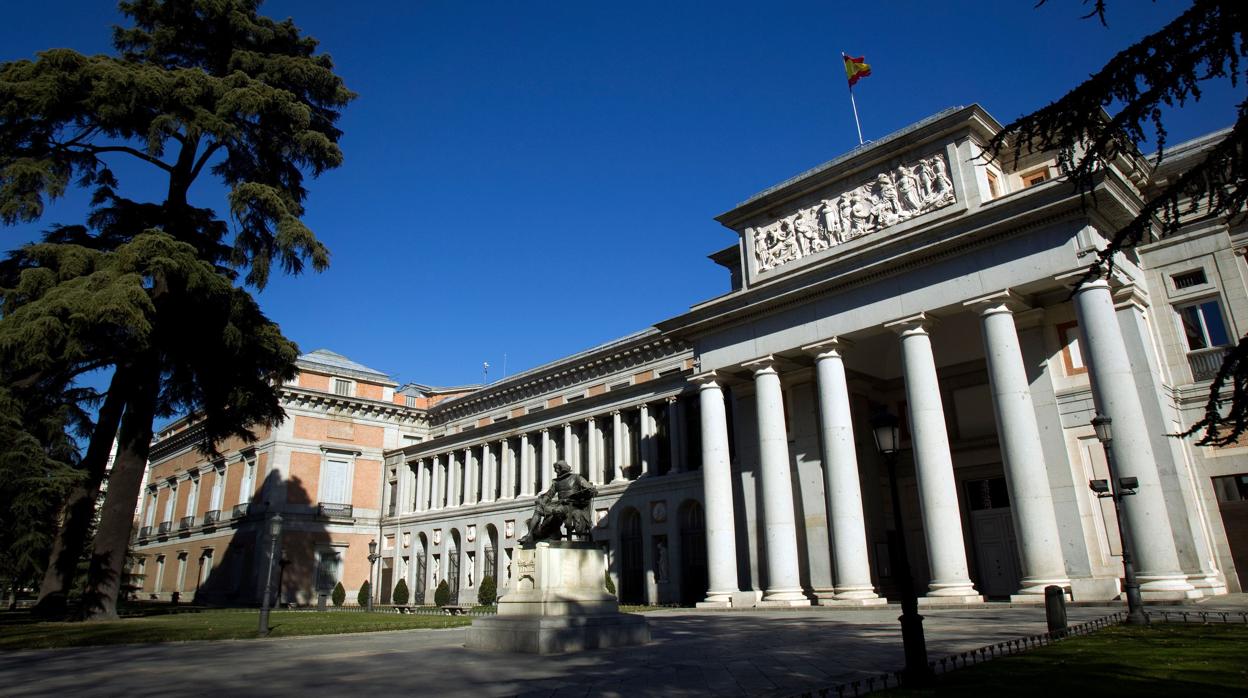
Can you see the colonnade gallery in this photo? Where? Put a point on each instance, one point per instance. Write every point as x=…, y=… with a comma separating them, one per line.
x=732, y=445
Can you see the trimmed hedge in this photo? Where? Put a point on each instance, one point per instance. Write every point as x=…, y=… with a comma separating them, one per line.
x=400, y=593
x=610, y=584
x=365, y=590
x=442, y=595
x=339, y=595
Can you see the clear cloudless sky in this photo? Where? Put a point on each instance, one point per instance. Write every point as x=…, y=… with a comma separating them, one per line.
x=531, y=179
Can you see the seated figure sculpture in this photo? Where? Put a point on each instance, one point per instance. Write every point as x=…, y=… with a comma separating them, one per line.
x=567, y=502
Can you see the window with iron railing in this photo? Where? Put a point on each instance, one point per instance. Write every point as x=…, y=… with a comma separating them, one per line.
x=186, y=522
x=165, y=527
x=212, y=517
x=1208, y=340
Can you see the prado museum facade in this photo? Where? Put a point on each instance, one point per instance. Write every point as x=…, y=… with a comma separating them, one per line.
x=731, y=446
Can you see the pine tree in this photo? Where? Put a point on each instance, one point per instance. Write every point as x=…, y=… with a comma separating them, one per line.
x=201, y=85
x=487, y=594
x=401, y=594
x=1164, y=69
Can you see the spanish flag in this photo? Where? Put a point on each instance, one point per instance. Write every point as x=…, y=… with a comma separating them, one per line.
x=855, y=68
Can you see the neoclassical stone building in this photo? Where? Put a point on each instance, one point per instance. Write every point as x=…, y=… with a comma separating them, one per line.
x=731, y=443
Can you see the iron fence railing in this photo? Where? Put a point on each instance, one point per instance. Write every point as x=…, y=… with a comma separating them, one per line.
x=145, y=531
x=212, y=517
x=332, y=510
x=165, y=527
x=186, y=522
x=959, y=660
x=240, y=510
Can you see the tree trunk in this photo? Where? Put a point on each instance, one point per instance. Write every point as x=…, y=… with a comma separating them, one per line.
x=112, y=538
x=79, y=511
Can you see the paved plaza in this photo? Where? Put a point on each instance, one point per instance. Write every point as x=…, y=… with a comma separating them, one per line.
x=693, y=653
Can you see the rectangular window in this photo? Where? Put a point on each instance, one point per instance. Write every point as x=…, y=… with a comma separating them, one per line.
x=1072, y=356
x=342, y=387
x=409, y=400
x=337, y=488
x=190, y=500
x=151, y=510
x=1031, y=179
x=249, y=482
x=994, y=187
x=218, y=491
x=328, y=569
x=1203, y=326
x=1188, y=279
x=169, y=503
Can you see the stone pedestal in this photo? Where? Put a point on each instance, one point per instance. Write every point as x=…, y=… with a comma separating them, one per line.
x=557, y=604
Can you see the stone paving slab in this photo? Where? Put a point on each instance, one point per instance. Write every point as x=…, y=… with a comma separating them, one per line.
x=693, y=653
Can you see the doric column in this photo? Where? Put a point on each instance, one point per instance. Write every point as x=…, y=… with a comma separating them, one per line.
x=675, y=434
x=645, y=441
x=526, y=467
x=569, y=453
x=436, y=500
x=548, y=459
x=840, y=477
x=594, y=450
x=1022, y=452
x=454, y=481
x=472, y=476
x=933, y=466
x=721, y=531
x=417, y=502
x=783, y=581
x=489, y=469
x=1115, y=394
x=617, y=445
x=506, y=477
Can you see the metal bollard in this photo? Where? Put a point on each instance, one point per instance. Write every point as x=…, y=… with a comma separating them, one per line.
x=1055, y=609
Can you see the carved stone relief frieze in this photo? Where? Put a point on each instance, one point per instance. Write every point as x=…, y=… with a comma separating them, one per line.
x=889, y=198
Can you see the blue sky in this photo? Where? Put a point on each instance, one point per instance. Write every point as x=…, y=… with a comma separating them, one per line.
x=532, y=179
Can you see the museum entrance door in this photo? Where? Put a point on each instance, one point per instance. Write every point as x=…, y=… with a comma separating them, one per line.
x=632, y=567
x=452, y=574
x=992, y=529
x=387, y=580
x=693, y=578
x=418, y=583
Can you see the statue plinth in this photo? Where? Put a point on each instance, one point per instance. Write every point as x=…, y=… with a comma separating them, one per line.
x=557, y=603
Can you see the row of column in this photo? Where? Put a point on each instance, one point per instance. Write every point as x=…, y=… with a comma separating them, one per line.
x=491, y=471
x=1022, y=455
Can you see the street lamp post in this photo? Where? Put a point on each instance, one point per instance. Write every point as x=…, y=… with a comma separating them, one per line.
x=373, y=557
x=885, y=427
x=275, y=534
x=1115, y=489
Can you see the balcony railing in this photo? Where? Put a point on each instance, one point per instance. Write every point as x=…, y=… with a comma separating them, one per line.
x=165, y=527
x=212, y=517
x=1206, y=362
x=145, y=531
x=185, y=523
x=331, y=510
x=241, y=510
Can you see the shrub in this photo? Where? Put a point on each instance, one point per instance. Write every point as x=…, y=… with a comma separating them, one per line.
x=442, y=595
x=339, y=595
x=488, y=593
x=610, y=584
x=365, y=590
x=400, y=593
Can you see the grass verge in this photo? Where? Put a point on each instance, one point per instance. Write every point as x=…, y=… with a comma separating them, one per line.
x=1157, y=660
x=25, y=633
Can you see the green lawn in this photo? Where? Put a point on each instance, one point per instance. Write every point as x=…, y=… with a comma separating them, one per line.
x=1158, y=660
x=22, y=633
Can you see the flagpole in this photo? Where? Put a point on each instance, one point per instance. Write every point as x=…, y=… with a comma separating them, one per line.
x=852, y=103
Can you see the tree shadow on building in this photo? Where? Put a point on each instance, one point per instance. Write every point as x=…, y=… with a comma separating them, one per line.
x=234, y=572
